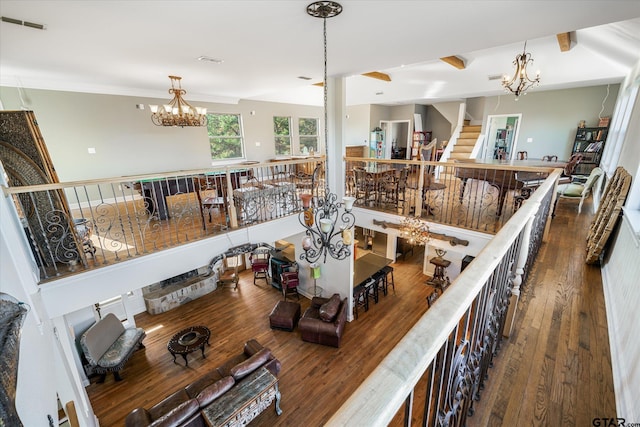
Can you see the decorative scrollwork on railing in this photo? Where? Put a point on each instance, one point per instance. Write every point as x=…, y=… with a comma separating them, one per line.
x=458, y=393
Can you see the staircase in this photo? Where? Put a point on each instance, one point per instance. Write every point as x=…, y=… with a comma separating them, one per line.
x=466, y=141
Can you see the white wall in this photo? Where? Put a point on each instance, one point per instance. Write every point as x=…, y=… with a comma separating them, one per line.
x=621, y=271
x=125, y=139
x=38, y=373
x=357, y=125
x=551, y=118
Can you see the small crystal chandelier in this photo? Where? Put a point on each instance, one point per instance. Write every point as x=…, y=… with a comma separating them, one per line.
x=415, y=231
x=178, y=112
x=324, y=236
x=520, y=82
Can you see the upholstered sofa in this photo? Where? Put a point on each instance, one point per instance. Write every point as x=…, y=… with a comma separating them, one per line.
x=323, y=322
x=183, y=407
x=107, y=345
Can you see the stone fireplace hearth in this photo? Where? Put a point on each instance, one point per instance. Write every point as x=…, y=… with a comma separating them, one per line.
x=175, y=291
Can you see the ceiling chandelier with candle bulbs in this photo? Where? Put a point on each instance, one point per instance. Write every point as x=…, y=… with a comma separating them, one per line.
x=328, y=230
x=178, y=112
x=521, y=82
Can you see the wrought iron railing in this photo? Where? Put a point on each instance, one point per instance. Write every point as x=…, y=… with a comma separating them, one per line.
x=434, y=376
x=475, y=196
x=75, y=226
x=81, y=225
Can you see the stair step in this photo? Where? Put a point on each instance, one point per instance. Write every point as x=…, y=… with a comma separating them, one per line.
x=469, y=135
x=458, y=155
x=472, y=128
x=466, y=142
x=463, y=149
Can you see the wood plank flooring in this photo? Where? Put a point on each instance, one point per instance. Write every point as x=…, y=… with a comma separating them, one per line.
x=555, y=369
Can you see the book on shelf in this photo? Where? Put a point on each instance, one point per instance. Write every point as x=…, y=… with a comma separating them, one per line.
x=594, y=146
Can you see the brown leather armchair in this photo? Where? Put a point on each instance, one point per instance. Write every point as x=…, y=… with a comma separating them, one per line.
x=323, y=322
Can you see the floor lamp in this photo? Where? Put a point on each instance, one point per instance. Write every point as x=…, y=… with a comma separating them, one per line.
x=315, y=274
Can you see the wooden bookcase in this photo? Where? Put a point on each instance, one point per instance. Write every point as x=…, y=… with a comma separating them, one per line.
x=589, y=142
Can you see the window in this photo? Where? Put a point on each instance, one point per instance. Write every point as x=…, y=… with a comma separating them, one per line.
x=225, y=136
x=282, y=134
x=308, y=132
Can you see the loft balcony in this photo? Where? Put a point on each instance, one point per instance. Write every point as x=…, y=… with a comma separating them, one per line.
x=78, y=226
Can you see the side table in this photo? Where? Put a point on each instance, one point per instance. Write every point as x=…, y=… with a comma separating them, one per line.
x=187, y=341
x=439, y=274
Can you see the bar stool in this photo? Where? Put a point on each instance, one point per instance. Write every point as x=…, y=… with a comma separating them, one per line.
x=387, y=269
x=372, y=289
x=380, y=278
x=360, y=299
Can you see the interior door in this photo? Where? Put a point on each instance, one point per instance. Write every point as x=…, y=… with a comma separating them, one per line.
x=396, y=134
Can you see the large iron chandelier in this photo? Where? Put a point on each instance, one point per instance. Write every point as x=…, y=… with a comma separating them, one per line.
x=320, y=215
x=521, y=82
x=178, y=112
x=415, y=231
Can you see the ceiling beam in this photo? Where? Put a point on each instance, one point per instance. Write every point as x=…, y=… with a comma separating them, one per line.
x=564, y=41
x=454, y=61
x=378, y=75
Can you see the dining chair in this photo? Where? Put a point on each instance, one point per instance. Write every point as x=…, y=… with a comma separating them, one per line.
x=388, y=187
x=365, y=185
x=550, y=158
x=570, y=168
x=522, y=155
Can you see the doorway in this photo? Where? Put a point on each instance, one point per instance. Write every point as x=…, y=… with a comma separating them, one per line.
x=502, y=136
x=397, y=138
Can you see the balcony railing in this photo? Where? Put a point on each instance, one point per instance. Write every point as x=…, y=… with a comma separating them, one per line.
x=475, y=196
x=75, y=226
x=434, y=376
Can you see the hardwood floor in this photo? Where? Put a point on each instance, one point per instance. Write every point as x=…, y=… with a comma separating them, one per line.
x=555, y=368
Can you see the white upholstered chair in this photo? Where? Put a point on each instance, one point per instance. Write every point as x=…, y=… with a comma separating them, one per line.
x=580, y=190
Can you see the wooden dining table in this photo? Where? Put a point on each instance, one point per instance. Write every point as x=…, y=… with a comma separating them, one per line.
x=367, y=265
x=504, y=179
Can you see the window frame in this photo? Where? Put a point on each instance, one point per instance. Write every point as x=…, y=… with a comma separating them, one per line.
x=316, y=136
x=240, y=137
x=289, y=135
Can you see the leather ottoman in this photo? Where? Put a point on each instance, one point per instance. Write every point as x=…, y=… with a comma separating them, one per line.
x=285, y=315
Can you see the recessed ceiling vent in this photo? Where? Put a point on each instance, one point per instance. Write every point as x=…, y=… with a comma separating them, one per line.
x=495, y=77
x=24, y=23
x=210, y=59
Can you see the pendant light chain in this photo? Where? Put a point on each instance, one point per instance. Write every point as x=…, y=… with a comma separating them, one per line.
x=326, y=135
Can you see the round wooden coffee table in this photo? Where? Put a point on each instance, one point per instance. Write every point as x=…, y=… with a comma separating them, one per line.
x=187, y=341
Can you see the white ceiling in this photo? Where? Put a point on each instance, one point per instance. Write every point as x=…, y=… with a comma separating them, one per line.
x=130, y=47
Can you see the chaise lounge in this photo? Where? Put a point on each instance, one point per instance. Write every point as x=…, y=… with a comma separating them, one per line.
x=107, y=346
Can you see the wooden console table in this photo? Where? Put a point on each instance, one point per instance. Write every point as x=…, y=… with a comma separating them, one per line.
x=245, y=401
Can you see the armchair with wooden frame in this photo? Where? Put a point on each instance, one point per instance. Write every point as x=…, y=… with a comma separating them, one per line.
x=579, y=190
x=228, y=273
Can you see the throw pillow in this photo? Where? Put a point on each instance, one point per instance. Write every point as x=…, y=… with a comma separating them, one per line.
x=329, y=309
x=215, y=390
x=243, y=369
